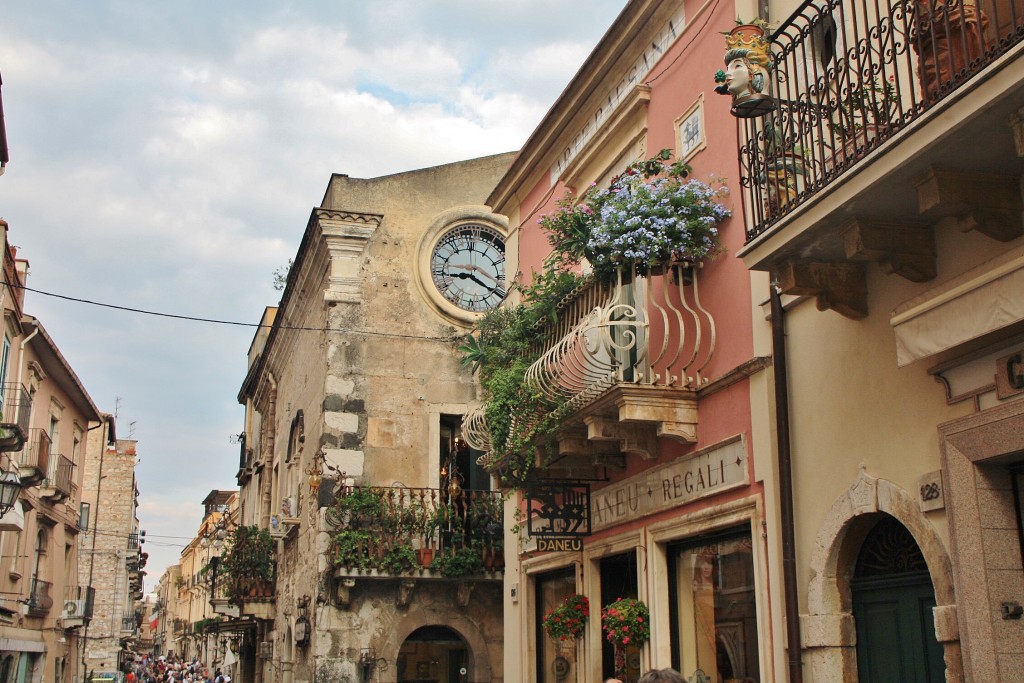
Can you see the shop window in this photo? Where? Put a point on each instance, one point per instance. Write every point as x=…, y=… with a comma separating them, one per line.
x=618, y=580
x=556, y=659
x=714, y=607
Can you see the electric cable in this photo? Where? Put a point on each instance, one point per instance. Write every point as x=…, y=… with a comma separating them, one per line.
x=217, y=321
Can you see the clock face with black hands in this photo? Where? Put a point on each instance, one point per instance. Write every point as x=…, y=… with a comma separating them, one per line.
x=467, y=266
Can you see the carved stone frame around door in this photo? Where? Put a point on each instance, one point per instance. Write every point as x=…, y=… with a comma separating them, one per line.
x=977, y=451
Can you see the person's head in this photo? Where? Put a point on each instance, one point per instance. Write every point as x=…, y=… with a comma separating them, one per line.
x=612, y=680
x=662, y=676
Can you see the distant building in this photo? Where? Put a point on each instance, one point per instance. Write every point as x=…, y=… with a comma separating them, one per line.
x=113, y=555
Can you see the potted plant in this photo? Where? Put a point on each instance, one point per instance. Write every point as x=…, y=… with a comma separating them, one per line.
x=626, y=623
x=400, y=559
x=249, y=563
x=568, y=620
x=863, y=111
x=457, y=562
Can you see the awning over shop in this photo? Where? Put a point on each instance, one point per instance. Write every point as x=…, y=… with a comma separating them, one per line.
x=982, y=300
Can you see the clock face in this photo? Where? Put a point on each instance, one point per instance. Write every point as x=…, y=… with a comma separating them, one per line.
x=468, y=267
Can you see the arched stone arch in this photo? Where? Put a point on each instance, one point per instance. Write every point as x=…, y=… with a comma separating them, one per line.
x=479, y=660
x=828, y=630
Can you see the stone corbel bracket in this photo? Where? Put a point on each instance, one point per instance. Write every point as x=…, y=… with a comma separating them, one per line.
x=463, y=592
x=841, y=287
x=988, y=203
x=904, y=249
x=405, y=588
x=346, y=235
x=343, y=592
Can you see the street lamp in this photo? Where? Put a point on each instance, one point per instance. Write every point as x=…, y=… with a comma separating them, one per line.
x=10, y=487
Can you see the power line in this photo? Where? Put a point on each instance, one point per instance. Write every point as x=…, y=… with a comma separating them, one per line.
x=217, y=321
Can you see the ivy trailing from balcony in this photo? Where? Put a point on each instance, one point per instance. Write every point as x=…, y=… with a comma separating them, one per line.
x=519, y=416
x=649, y=216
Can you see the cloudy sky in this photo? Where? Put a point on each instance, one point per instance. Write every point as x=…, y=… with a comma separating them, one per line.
x=165, y=156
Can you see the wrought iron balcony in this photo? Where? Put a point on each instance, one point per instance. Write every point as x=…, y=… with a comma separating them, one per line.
x=15, y=411
x=848, y=76
x=409, y=534
x=34, y=460
x=59, y=479
x=39, y=599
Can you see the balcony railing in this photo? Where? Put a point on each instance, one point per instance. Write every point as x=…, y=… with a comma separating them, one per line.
x=400, y=531
x=35, y=457
x=847, y=76
x=78, y=603
x=60, y=476
x=130, y=621
x=15, y=411
x=650, y=331
x=39, y=600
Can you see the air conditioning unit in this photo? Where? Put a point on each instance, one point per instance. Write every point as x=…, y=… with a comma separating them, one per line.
x=267, y=649
x=73, y=609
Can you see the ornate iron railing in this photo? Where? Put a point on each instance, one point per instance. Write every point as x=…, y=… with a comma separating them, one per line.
x=397, y=530
x=650, y=330
x=848, y=75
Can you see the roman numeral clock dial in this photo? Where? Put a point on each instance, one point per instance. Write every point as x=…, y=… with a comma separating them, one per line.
x=467, y=267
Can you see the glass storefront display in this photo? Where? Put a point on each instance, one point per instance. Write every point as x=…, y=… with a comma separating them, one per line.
x=714, y=608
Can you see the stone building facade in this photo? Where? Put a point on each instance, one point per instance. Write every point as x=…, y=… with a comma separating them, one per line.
x=111, y=550
x=48, y=429
x=897, y=244
x=663, y=441
x=355, y=389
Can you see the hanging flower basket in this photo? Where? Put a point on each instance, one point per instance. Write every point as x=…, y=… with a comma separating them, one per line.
x=568, y=620
x=626, y=623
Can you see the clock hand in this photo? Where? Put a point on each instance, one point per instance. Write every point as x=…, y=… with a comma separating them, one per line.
x=470, y=276
x=476, y=269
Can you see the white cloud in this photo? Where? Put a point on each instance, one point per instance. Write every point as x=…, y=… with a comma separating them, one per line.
x=167, y=158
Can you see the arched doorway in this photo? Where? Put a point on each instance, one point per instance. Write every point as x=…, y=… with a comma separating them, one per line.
x=433, y=654
x=893, y=598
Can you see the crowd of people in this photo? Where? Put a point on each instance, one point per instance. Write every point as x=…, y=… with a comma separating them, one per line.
x=173, y=670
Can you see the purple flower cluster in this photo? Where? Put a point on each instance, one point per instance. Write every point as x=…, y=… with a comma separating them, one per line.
x=655, y=220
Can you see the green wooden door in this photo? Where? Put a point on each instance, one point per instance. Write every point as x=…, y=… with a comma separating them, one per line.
x=895, y=630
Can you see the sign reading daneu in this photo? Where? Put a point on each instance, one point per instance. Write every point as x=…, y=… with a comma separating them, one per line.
x=558, y=515
x=713, y=470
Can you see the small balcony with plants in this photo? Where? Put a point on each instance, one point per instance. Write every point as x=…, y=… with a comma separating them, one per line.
x=247, y=571
x=414, y=534
x=609, y=346
x=890, y=121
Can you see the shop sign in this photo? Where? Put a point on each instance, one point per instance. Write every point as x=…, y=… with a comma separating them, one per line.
x=558, y=511
x=705, y=473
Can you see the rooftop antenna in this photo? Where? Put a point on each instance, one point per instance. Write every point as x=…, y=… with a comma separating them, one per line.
x=131, y=429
